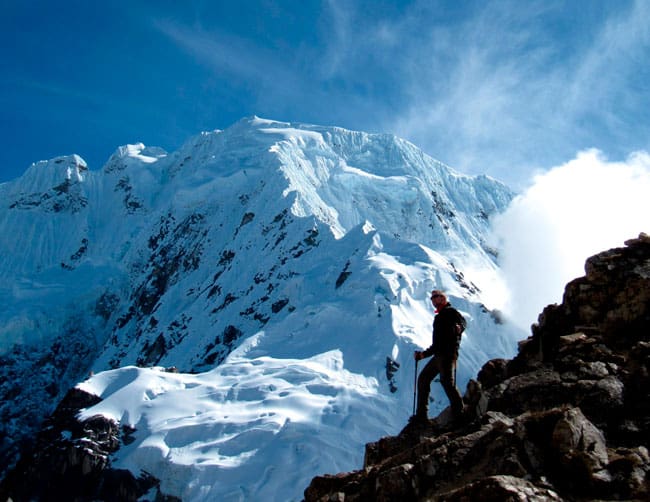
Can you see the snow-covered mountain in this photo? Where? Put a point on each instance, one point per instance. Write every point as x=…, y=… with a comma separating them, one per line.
x=281, y=269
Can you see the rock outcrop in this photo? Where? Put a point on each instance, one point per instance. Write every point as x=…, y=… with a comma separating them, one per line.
x=70, y=460
x=567, y=419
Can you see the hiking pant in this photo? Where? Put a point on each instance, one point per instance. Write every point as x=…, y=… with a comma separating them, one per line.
x=446, y=367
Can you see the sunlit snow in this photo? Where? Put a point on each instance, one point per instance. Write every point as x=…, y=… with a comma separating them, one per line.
x=317, y=246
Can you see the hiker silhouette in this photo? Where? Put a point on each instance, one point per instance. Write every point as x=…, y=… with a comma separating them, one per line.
x=448, y=326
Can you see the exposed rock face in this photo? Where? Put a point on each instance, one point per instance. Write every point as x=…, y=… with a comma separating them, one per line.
x=566, y=419
x=70, y=460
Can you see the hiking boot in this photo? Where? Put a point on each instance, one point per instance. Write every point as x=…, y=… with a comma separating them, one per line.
x=418, y=419
x=459, y=415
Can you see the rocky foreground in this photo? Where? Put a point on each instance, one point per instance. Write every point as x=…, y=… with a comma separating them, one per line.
x=566, y=419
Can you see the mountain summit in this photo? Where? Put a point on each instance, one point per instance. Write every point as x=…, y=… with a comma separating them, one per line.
x=282, y=270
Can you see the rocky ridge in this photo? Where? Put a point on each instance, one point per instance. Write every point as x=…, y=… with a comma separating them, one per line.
x=567, y=419
x=70, y=460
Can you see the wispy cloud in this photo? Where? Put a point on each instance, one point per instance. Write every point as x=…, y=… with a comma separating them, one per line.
x=467, y=89
x=613, y=72
x=302, y=81
x=228, y=55
x=502, y=88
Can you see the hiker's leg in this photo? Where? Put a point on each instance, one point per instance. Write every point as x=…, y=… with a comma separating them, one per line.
x=427, y=375
x=447, y=367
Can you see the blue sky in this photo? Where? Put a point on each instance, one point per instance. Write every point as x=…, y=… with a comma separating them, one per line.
x=507, y=88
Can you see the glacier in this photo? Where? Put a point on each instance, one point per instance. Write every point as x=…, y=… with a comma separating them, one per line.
x=249, y=304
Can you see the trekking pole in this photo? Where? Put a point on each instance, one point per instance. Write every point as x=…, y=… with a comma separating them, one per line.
x=415, y=384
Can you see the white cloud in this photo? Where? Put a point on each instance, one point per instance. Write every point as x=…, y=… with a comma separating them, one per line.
x=571, y=212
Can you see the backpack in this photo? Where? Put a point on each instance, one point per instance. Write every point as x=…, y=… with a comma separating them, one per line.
x=461, y=324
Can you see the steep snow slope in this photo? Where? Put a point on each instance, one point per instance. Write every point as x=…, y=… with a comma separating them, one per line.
x=282, y=268
x=250, y=208
x=306, y=392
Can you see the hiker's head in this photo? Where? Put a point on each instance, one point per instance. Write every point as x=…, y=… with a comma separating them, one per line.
x=438, y=298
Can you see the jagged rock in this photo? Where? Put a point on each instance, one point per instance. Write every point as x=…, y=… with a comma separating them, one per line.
x=567, y=419
x=71, y=460
x=498, y=489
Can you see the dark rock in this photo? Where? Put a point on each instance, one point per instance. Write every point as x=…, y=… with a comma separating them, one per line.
x=71, y=460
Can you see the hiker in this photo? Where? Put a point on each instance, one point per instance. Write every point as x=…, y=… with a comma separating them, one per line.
x=448, y=326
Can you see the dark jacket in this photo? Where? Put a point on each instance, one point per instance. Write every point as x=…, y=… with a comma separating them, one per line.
x=446, y=338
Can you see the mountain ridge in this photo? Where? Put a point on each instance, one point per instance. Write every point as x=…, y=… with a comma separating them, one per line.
x=307, y=239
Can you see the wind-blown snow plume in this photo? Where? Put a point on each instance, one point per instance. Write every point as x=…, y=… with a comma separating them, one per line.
x=568, y=214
